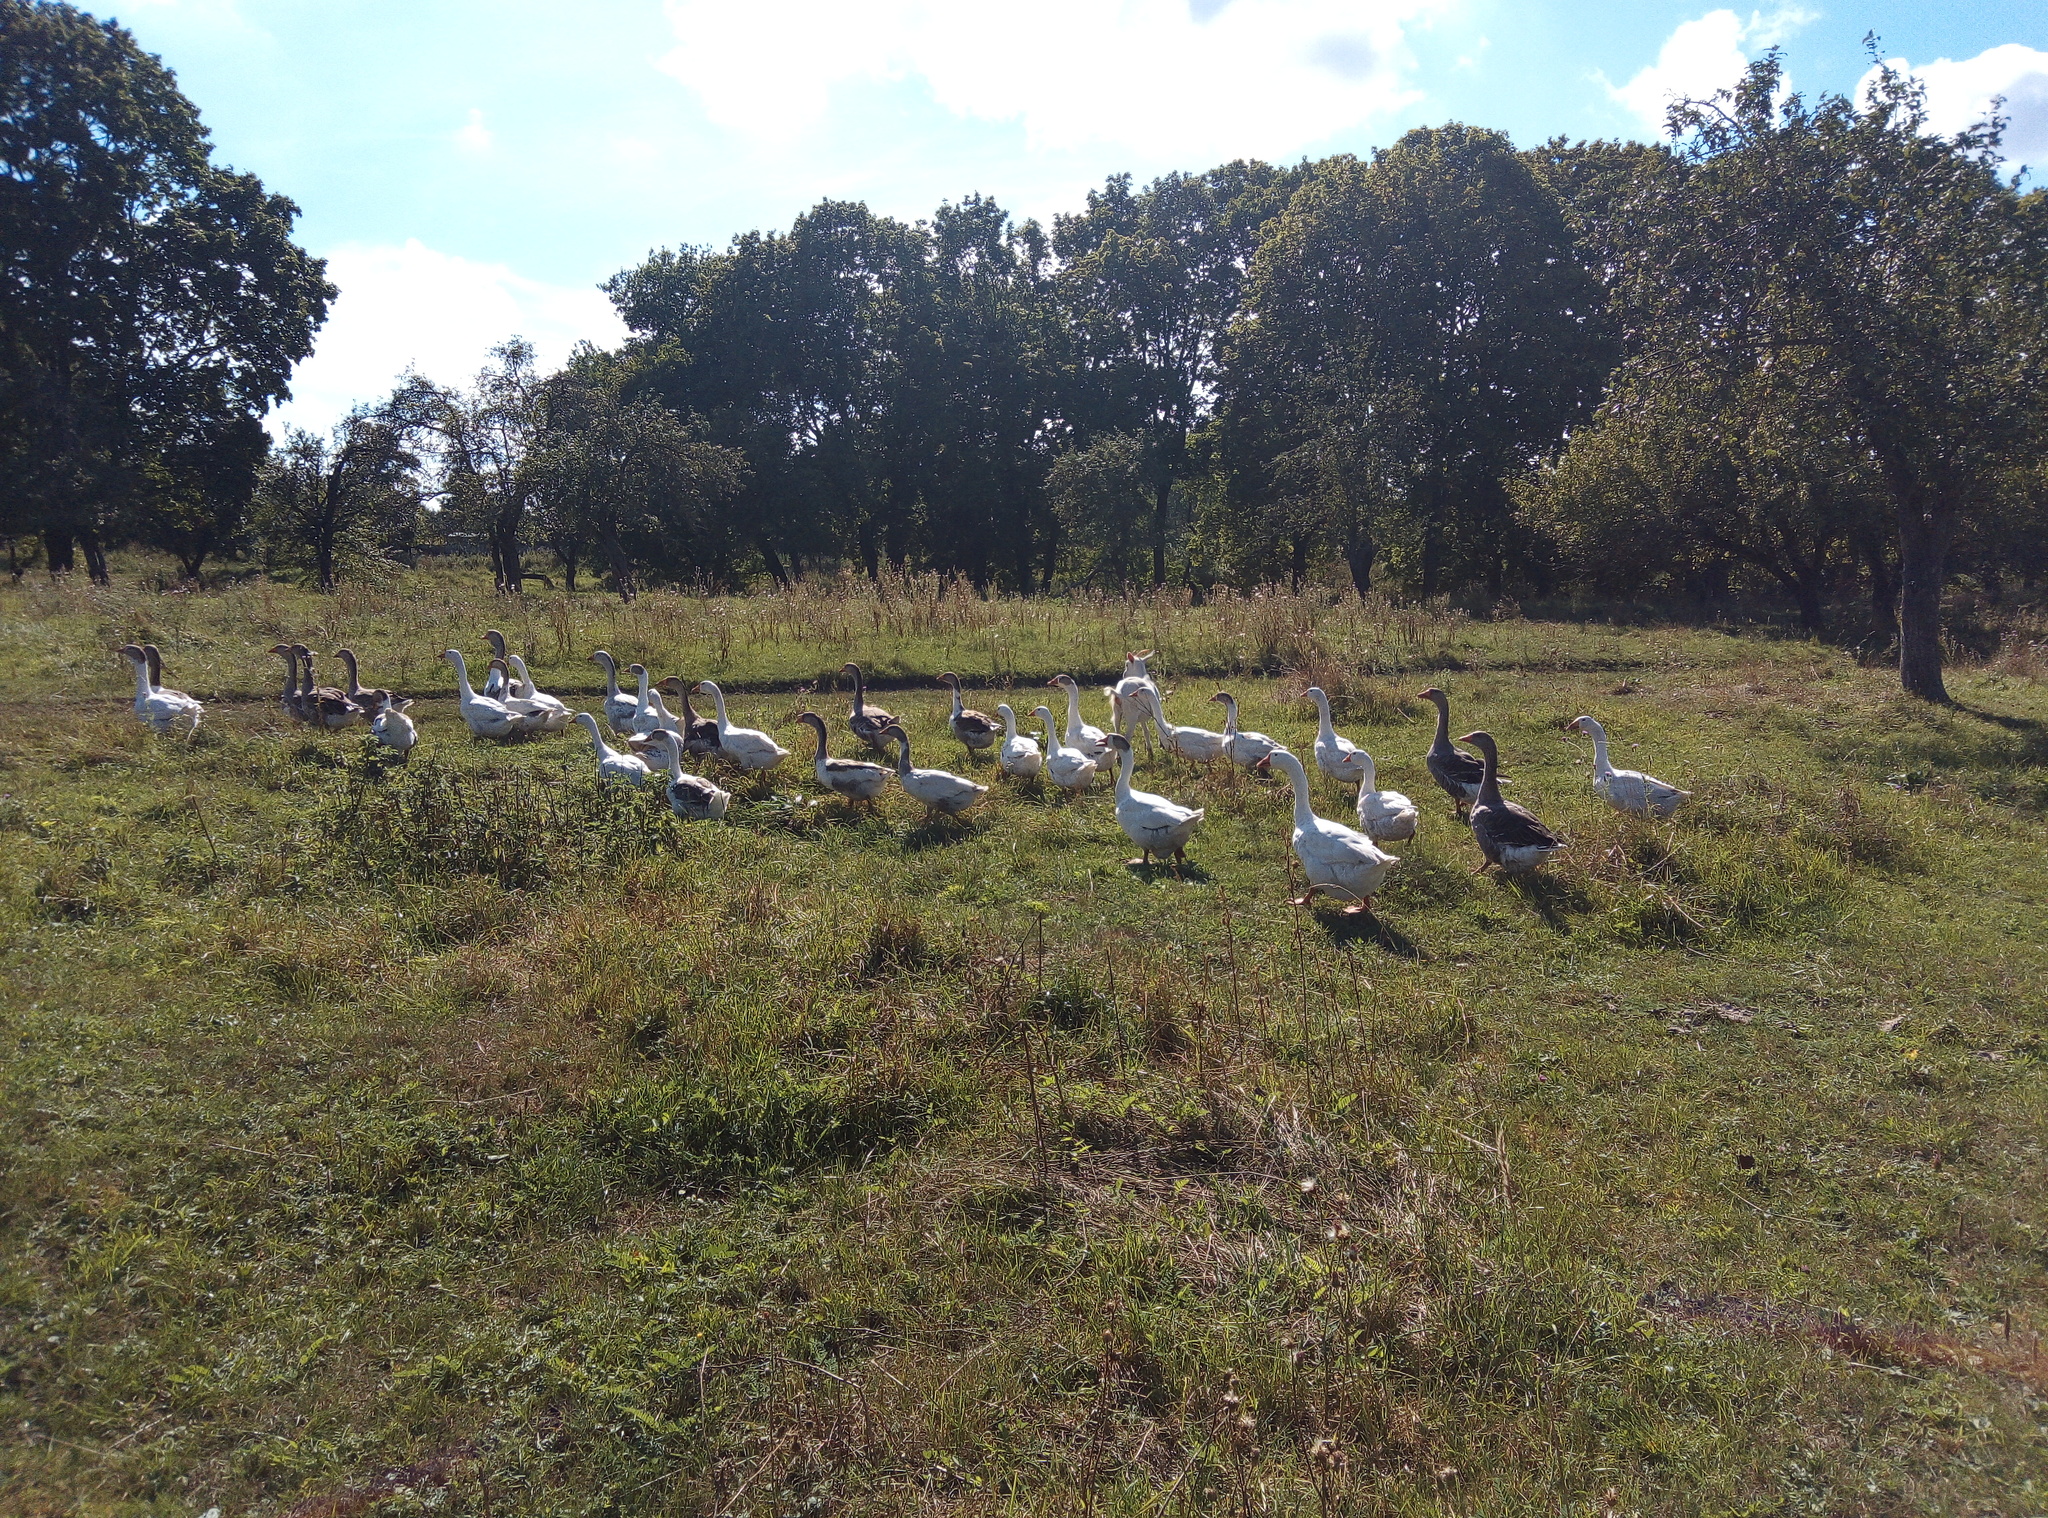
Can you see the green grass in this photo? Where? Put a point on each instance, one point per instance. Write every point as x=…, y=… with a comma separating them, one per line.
x=455, y=1138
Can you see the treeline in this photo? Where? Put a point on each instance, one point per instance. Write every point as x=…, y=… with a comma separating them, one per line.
x=1797, y=350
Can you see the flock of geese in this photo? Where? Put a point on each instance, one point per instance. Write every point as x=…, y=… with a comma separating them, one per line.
x=1338, y=860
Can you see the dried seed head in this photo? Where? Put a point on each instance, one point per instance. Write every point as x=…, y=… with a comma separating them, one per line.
x=1308, y=1187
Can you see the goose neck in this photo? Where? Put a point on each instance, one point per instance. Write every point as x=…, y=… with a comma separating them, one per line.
x=461, y=675
x=141, y=668
x=902, y=752
x=1297, y=778
x=1009, y=722
x=1230, y=716
x=672, y=751
x=1489, y=774
x=1325, y=730
x=1127, y=762
x=611, y=674
x=1073, y=711
x=1601, y=764
x=348, y=662
x=718, y=700
x=1443, y=722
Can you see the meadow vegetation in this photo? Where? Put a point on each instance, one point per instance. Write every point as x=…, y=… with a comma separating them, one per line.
x=451, y=1137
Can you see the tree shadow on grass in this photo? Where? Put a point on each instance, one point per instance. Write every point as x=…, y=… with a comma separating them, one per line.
x=1192, y=873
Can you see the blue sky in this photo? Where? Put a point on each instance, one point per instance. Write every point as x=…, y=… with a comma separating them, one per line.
x=474, y=168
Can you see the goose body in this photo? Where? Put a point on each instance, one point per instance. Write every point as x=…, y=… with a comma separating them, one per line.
x=645, y=721
x=1252, y=750
x=1135, y=703
x=530, y=716
x=1198, y=745
x=1336, y=756
x=324, y=705
x=870, y=724
x=1384, y=816
x=1336, y=859
x=748, y=747
x=553, y=713
x=1155, y=824
x=1086, y=737
x=1628, y=790
x=1067, y=768
x=699, y=734
x=1510, y=837
x=941, y=790
x=371, y=700
x=978, y=730
x=393, y=728
x=855, y=779
x=1456, y=771
x=692, y=797
x=613, y=767
x=155, y=706
x=1019, y=755
x=619, y=708
x=484, y=717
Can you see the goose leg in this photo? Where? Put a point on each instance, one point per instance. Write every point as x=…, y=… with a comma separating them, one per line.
x=1363, y=907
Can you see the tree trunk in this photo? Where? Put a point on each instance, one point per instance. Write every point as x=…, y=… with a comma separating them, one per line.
x=1923, y=549
x=1159, y=509
x=774, y=562
x=1297, y=568
x=58, y=550
x=1360, y=553
x=95, y=557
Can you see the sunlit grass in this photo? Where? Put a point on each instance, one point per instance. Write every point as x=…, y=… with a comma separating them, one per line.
x=455, y=1136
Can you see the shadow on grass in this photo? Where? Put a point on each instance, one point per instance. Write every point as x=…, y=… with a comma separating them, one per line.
x=1156, y=870
x=937, y=831
x=1549, y=897
x=1345, y=929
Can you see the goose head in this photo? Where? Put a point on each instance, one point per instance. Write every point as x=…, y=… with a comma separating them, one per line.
x=815, y=723
x=497, y=641
x=1118, y=743
x=1063, y=682
x=1483, y=741
x=1433, y=694
x=1587, y=726
x=604, y=661
x=951, y=682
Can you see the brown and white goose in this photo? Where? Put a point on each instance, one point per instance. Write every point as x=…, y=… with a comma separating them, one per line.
x=324, y=705
x=497, y=682
x=941, y=790
x=293, y=704
x=978, y=730
x=854, y=779
x=1457, y=772
x=700, y=734
x=870, y=724
x=371, y=700
x=155, y=705
x=1510, y=837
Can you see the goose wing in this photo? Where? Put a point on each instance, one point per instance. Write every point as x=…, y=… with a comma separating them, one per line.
x=1508, y=826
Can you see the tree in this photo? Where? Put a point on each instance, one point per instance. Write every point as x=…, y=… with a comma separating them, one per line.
x=1418, y=329
x=482, y=436
x=1100, y=495
x=631, y=482
x=1151, y=282
x=326, y=504
x=151, y=303
x=1895, y=269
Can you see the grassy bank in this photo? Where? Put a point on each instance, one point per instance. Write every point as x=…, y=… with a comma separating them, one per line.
x=455, y=1138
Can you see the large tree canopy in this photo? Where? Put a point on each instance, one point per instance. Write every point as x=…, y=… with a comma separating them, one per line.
x=1890, y=274
x=152, y=304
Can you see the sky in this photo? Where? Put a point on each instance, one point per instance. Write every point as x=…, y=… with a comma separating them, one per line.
x=471, y=169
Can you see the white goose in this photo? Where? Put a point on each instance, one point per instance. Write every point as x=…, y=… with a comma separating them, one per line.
x=1384, y=816
x=1251, y=750
x=554, y=713
x=689, y=796
x=156, y=705
x=619, y=708
x=1335, y=858
x=486, y=718
x=1197, y=745
x=532, y=715
x=392, y=728
x=1336, y=756
x=643, y=721
x=854, y=779
x=941, y=790
x=1019, y=755
x=1135, y=703
x=1628, y=790
x=747, y=747
x=1067, y=768
x=1154, y=824
x=1086, y=737
x=613, y=767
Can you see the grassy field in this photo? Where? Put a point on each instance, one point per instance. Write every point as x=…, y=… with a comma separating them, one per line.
x=452, y=1138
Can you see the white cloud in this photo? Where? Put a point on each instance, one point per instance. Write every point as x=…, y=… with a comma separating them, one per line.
x=1959, y=95
x=413, y=307
x=1701, y=57
x=473, y=136
x=1188, y=78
